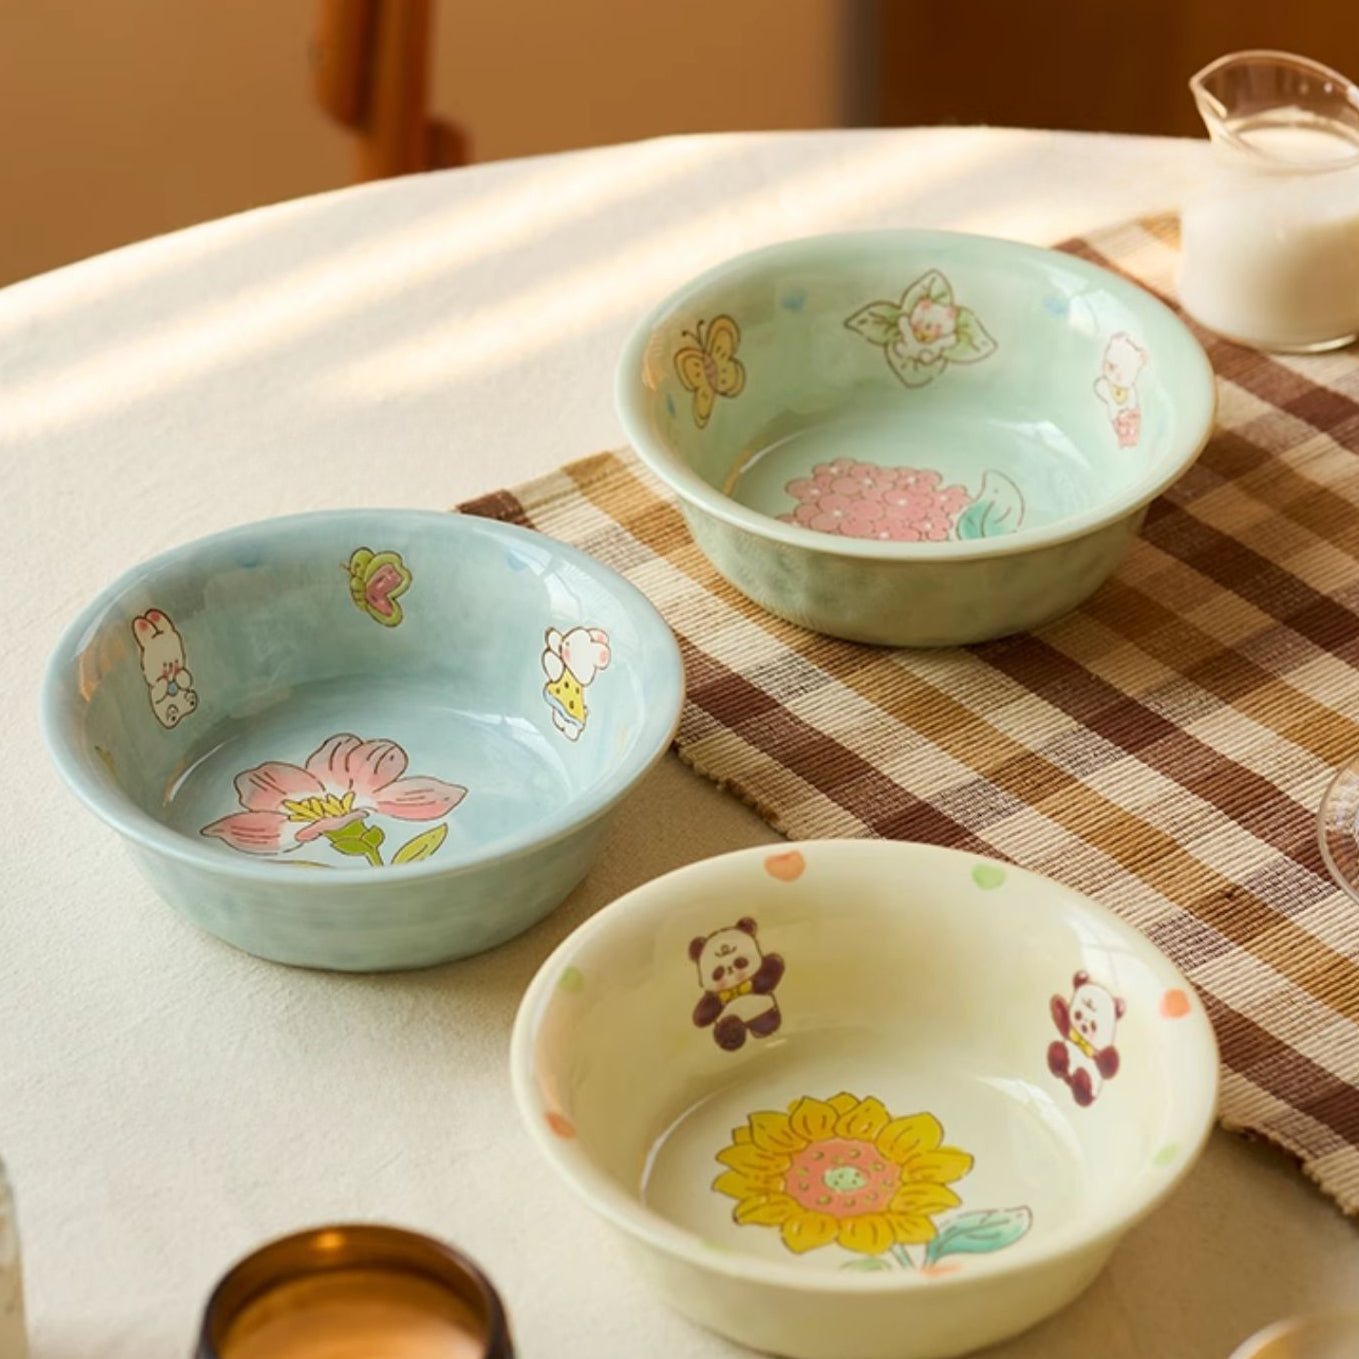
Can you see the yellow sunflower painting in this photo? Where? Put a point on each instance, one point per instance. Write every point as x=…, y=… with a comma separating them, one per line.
x=845, y=1171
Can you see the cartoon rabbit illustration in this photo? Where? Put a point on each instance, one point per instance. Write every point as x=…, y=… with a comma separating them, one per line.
x=167, y=679
x=1116, y=386
x=571, y=661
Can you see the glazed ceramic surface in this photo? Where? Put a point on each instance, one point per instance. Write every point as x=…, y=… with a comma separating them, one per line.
x=864, y=1099
x=363, y=740
x=914, y=438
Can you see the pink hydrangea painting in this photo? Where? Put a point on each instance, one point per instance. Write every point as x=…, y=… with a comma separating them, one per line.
x=333, y=798
x=901, y=504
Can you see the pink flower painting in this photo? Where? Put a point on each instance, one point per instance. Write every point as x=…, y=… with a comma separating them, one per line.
x=333, y=798
x=924, y=331
x=901, y=504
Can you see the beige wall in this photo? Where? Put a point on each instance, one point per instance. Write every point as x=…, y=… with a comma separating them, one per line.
x=126, y=118
x=551, y=74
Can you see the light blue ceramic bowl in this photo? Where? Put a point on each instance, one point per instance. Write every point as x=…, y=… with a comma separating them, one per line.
x=363, y=740
x=915, y=438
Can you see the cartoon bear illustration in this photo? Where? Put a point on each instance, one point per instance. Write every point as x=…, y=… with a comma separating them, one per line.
x=571, y=661
x=1116, y=386
x=1085, y=1056
x=167, y=679
x=738, y=982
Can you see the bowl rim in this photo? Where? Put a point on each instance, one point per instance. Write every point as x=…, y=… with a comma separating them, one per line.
x=693, y=489
x=660, y=716
x=1260, y=1344
x=635, y=1219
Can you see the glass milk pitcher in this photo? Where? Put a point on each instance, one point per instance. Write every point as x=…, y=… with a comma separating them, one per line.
x=1270, y=244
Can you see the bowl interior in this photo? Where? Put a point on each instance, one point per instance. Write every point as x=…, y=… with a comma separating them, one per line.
x=866, y=1056
x=360, y=689
x=916, y=387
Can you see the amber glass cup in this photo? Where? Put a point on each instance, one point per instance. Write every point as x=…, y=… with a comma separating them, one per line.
x=332, y=1292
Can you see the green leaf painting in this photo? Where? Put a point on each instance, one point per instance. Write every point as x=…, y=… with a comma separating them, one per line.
x=911, y=369
x=971, y=341
x=979, y=1233
x=421, y=846
x=877, y=322
x=933, y=286
x=997, y=509
x=924, y=332
x=868, y=1264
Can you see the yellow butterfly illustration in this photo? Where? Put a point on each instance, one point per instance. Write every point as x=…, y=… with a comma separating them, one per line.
x=709, y=368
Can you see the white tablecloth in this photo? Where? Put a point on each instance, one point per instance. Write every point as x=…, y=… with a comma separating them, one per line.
x=167, y=1103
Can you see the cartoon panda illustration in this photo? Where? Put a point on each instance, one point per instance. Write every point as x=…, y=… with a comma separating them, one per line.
x=1085, y=1056
x=738, y=982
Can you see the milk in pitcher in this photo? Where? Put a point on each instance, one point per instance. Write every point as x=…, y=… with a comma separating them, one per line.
x=1270, y=245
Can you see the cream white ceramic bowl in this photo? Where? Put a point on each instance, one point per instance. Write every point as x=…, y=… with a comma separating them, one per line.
x=864, y=1099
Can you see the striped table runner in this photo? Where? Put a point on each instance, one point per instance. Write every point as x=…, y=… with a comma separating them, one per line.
x=1163, y=749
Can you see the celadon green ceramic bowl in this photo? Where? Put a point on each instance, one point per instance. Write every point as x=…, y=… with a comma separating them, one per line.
x=859, y=1099
x=914, y=438
x=363, y=739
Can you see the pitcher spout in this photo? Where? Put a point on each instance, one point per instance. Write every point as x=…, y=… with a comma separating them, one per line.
x=1285, y=112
